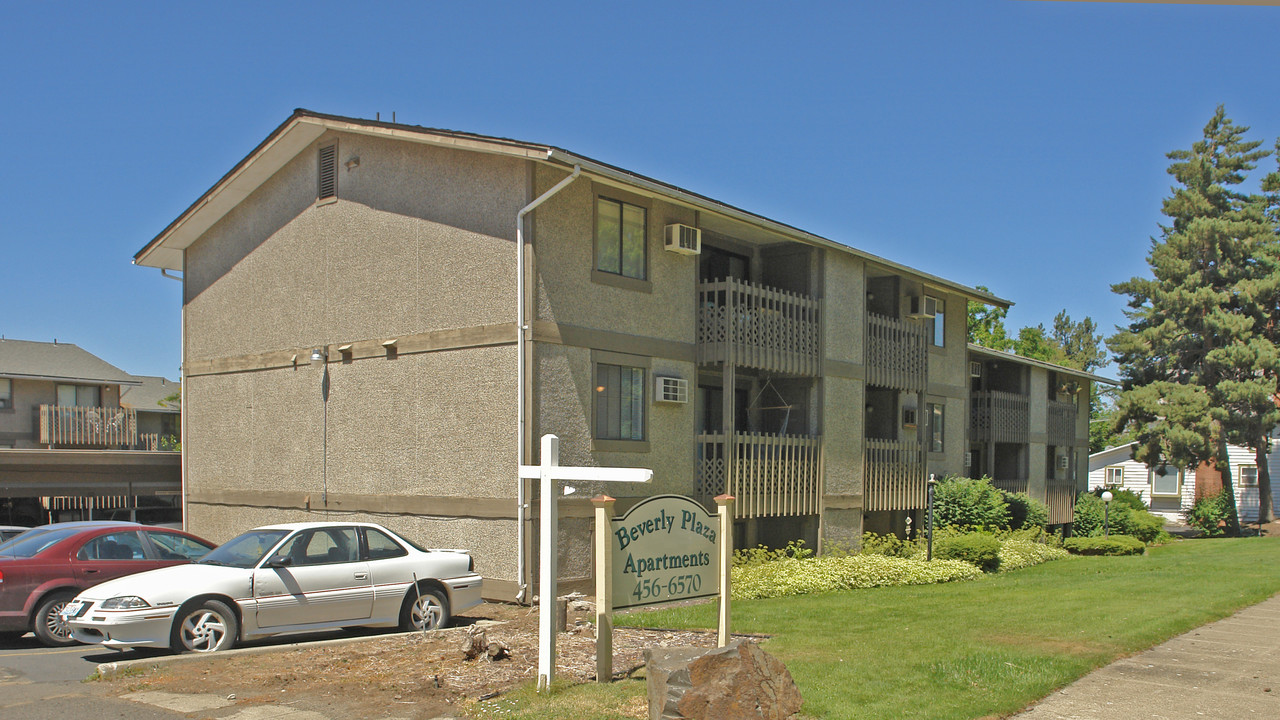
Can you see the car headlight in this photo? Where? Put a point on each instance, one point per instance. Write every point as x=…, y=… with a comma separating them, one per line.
x=125, y=602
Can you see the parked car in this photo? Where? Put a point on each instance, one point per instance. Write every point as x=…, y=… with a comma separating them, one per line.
x=42, y=569
x=278, y=579
x=8, y=532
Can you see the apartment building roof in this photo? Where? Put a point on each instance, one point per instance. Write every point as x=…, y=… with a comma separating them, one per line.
x=150, y=395
x=57, y=362
x=1060, y=369
x=305, y=126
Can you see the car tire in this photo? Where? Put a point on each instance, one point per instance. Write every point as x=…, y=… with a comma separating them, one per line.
x=204, y=627
x=50, y=628
x=429, y=603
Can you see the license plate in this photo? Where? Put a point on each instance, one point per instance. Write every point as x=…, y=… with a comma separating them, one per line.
x=73, y=608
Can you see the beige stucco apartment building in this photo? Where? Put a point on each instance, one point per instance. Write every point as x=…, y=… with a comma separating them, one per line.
x=362, y=339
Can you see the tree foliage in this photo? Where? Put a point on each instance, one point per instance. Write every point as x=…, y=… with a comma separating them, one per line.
x=1198, y=369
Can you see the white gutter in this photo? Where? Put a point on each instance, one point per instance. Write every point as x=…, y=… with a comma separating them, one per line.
x=522, y=330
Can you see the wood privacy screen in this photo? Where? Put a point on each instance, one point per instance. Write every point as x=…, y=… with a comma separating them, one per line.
x=753, y=326
x=893, y=475
x=769, y=475
x=896, y=354
x=72, y=425
x=999, y=417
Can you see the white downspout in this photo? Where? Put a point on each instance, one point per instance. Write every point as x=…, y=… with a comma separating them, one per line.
x=522, y=329
x=182, y=388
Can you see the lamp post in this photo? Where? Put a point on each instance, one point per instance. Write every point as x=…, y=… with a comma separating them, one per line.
x=1106, y=513
x=933, y=480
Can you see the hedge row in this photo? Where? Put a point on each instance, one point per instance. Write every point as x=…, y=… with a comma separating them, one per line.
x=793, y=576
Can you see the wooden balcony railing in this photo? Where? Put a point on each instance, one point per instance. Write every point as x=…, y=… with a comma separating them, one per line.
x=1061, y=423
x=1061, y=501
x=90, y=426
x=1013, y=486
x=770, y=475
x=750, y=325
x=897, y=356
x=893, y=475
x=999, y=417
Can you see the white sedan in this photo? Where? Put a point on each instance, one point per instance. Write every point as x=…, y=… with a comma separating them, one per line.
x=279, y=579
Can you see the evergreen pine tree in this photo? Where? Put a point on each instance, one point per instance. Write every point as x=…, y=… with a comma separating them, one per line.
x=1197, y=367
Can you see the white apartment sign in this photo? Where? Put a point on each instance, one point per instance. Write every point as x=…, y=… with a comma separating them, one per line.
x=664, y=549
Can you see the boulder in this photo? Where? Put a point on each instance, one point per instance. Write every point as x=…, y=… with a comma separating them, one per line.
x=735, y=682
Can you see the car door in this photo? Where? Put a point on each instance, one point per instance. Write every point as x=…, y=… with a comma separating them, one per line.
x=110, y=555
x=316, y=576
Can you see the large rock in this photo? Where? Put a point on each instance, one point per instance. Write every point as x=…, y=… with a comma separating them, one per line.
x=735, y=682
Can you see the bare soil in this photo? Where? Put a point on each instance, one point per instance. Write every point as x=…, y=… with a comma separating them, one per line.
x=410, y=676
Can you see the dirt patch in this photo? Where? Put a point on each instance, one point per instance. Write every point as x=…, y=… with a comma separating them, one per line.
x=411, y=676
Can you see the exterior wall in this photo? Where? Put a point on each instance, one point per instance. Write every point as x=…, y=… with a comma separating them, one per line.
x=949, y=385
x=418, y=246
x=843, y=396
x=1038, y=469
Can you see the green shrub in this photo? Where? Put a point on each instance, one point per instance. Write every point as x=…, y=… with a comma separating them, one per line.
x=1146, y=526
x=1125, y=497
x=979, y=549
x=1123, y=518
x=1113, y=545
x=965, y=502
x=791, y=576
x=1022, y=549
x=1209, y=515
x=1026, y=512
x=761, y=554
x=889, y=546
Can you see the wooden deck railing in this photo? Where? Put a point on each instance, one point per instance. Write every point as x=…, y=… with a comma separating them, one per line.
x=1061, y=423
x=73, y=425
x=893, y=475
x=1013, y=486
x=1061, y=501
x=999, y=417
x=758, y=327
x=770, y=475
x=896, y=353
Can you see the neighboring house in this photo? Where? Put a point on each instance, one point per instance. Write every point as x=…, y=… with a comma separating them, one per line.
x=69, y=447
x=159, y=412
x=361, y=338
x=1171, y=491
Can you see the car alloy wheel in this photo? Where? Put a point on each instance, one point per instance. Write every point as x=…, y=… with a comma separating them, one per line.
x=206, y=627
x=427, y=611
x=50, y=628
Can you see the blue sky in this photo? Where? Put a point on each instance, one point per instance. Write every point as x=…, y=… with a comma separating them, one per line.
x=1013, y=144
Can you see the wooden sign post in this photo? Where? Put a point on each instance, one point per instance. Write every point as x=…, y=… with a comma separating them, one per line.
x=548, y=472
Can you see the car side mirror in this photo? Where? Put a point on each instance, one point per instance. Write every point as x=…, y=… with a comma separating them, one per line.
x=280, y=561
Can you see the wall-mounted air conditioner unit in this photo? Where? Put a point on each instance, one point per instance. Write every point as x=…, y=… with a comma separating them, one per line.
x=670, y=389
x=922, y=306
x=683, y=239
x=975, y=369
x=909, y=417
x=1064, y=462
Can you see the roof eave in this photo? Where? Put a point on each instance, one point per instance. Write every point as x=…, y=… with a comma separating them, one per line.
x=1013, y=357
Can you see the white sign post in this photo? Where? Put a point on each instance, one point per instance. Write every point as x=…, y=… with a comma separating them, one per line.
x=548, y=472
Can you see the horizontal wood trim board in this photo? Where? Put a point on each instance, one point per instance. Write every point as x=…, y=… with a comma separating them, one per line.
x=842, y=369
x=432, y=341
x=561, y=334
x=486, y=508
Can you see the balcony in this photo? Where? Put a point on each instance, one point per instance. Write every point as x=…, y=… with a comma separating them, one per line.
x=748, y=325
x=896, y=353
x=68, y=425
x=893, y=475
x=1001, y=417
x=1062, y=423
x=1060, y=496
x=770, y=475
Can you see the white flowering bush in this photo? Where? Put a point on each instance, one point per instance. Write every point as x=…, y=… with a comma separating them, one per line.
x=803, y=576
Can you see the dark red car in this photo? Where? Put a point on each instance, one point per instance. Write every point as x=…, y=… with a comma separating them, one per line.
x=44, y=568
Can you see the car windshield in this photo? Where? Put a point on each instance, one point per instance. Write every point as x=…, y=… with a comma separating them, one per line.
x=244, y=551
x=30, y=543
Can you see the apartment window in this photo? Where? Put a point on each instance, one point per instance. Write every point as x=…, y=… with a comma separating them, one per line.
x=939, y=330
x=1114, y=476
x=620, y=238
x=1168, y=484
x=79, y=395
x=1248, y=475
x=936, y=427
x=619, y=402
x=6, y=393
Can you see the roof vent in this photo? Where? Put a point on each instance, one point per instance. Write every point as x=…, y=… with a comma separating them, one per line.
x=328, y=187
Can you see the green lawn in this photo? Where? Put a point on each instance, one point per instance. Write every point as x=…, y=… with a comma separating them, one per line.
x=981, y=648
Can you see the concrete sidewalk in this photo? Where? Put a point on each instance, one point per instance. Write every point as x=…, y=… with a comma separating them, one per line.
x=1226, y=669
